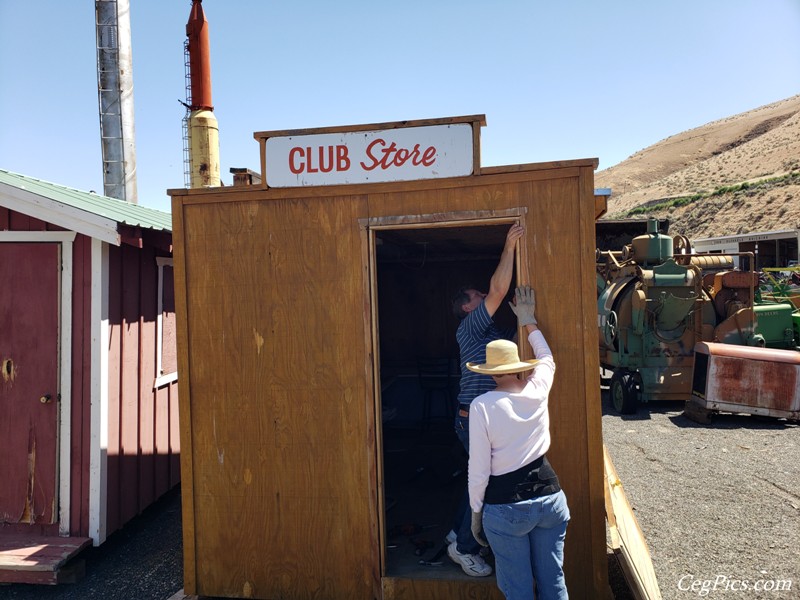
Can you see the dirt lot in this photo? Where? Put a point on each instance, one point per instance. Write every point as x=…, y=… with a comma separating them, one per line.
x=718, y=503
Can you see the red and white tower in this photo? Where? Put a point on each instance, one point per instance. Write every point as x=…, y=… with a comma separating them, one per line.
x=203, y=130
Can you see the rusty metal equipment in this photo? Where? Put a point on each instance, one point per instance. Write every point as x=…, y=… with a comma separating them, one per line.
x=656, y=300
x=757, y=381
x=647, y=320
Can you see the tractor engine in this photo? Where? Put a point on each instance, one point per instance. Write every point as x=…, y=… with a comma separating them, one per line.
x=650, y=315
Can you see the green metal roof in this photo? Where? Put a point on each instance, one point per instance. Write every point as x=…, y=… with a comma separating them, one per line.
x=111, y=208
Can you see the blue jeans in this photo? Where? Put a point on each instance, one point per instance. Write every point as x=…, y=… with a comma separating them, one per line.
x=466, y=543
x=527, y=539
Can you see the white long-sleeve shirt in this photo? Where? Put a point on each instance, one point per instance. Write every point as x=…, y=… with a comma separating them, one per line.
x=508, y=431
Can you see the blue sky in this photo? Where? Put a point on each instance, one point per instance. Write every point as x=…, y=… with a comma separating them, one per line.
x=556, y=80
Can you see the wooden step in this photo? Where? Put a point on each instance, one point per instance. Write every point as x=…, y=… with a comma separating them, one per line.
x=39, y=559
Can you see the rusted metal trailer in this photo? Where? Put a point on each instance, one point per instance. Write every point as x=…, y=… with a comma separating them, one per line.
x=302, y=304
x=742, y=379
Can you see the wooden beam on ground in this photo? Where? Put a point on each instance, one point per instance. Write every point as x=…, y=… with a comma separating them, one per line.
x=627, y=539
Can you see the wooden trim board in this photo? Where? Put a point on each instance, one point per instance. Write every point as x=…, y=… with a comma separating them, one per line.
x=627, y=539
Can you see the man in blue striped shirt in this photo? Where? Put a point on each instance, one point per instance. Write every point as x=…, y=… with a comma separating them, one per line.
x=476, y=309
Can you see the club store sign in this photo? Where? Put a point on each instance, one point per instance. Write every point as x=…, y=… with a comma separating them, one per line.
x=400, y=154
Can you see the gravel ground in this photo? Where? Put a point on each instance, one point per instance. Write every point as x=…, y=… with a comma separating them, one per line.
x=142, y=561
x=717, y=503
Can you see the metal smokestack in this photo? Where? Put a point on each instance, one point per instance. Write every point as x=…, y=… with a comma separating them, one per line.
x=115, y=97
x=203, y=128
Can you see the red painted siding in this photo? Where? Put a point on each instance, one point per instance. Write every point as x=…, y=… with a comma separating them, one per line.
x=81, y=385
x=143, y=435
x=148, y=302
x=143, y=459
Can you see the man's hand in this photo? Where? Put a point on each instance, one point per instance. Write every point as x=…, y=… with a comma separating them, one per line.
x=477, y=529
x=514, y=233
x=524, y=305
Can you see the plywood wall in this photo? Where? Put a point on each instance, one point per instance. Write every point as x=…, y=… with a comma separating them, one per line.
x=276, y=354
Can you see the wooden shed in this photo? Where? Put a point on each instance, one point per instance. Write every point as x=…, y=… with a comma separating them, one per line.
x=88, y=398
x=317, y=460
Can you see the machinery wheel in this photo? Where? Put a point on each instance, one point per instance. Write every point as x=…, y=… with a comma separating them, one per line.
x=610, y=328
x=681, y=249
x=624, y=395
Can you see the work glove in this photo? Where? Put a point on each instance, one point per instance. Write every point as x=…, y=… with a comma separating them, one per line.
x=524, y=306
x=477, y=529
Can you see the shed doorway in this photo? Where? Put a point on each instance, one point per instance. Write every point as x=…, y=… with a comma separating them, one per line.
x=29, y=388
x=423, y=466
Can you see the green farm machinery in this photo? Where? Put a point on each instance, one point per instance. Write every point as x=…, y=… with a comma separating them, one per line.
x=656, y=300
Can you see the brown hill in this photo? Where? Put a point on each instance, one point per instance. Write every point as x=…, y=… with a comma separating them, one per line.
x=740, y=174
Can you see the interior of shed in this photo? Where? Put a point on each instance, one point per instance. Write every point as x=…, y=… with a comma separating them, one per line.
x=424, y=465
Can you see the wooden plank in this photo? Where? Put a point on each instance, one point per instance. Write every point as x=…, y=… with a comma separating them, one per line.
x=184, y=425
x=262, y=146
x=148, y=308
x=113, y=519
x=72, y=572
x=476, y=146
x=591, y=377
x=161, y=442
x=631, y=550
x=446, y=219
x=37, y=553
x=31, y=577
x=600, y=206
x=553, y=230
x=19, y=221
x=175, y=471
x=130, y=394
x=374, y=406
x=490, y=176
x=556, y=164
x=81, y=387
x=395, y=588
x=41, y=560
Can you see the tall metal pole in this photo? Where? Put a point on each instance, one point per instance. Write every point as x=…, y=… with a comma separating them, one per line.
x=115, y=98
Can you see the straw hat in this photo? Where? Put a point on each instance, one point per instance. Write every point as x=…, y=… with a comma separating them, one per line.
x=502, y=358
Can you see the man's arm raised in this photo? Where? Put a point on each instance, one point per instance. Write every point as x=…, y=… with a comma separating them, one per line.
x=501, y=280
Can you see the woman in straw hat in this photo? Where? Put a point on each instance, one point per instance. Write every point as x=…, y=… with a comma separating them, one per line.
x=513, y=490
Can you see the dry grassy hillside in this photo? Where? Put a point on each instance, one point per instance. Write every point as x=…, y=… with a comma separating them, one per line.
x=740, y=174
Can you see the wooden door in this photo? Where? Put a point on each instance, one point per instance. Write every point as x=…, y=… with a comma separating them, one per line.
x=29, y=297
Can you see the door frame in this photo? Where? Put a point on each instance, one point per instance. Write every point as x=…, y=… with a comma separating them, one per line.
x=369, y=227
x=65, y=240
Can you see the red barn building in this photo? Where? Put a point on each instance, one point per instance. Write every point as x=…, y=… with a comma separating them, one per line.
x=88, y=376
